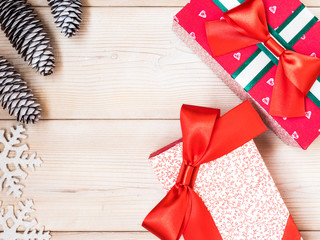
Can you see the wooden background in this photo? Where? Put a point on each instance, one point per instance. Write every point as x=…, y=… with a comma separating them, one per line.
x=115, y=98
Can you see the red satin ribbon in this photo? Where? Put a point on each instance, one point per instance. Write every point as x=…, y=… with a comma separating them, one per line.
x=206, y=137
x=291, y=231
x=246, y=25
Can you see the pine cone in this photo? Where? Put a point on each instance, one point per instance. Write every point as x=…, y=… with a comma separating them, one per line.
x=67, y=14
x=16, y=96
x=25, y=32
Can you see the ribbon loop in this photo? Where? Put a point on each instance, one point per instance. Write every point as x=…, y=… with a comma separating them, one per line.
x=197, y=138
x=246, y=25
x=252, y=17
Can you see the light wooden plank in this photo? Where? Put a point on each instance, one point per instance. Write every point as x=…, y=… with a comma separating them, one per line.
x=134, y=235
x=125, y=63
x=116, y=3
x=96, y=176
x=103, y=235
x=311, y=235
x=311, y=3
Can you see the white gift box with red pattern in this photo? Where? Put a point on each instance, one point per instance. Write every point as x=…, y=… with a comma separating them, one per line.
x=237, y=189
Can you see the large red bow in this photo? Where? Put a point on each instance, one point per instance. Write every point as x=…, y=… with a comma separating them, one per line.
x=206, y=137
x=246, y=25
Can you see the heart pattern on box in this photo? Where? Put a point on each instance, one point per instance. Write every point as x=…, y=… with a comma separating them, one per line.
x=203, y=14
x=271, y=82
x=176, y=19
x=266, y=100
x=313, y=55
x=237, y=56
x=303, y=37
x=193, y=35
x=273, y=9
x=295, y=135
x=308, y=114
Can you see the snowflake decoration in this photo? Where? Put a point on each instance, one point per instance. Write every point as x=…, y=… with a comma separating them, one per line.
x=13, y=160
x=11, y=219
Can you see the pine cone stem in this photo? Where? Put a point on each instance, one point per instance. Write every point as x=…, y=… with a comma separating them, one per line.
x=25, y=32
x=16, y=96
x=67, y=14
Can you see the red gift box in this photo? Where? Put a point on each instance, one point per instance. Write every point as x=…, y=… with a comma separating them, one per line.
x=250, y=72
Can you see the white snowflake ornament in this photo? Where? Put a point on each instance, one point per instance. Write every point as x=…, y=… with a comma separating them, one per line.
x=14, y=161
x=11, y=219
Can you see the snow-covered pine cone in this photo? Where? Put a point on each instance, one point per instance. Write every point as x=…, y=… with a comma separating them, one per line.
x=16, y=96
x=25, y=32
x=67, y=14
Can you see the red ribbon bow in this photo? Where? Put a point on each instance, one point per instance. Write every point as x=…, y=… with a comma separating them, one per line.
x=206, y=137
x=246, y=25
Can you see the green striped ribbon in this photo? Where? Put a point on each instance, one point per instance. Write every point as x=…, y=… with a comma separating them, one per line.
x=262, y=60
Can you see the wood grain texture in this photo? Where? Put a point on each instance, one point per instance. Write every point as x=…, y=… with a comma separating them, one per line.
x=135, y=3
x=103, y=236
x=134, y=235
x=117, y=3
x=119, y=67
x=96, y=176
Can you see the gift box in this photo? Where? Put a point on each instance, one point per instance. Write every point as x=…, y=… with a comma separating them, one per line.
x=230, y=179
x=251, y=71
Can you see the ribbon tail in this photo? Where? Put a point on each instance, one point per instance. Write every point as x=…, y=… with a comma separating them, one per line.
x=287, y=100
x=291, y=231
x=224, y=38
x=302, y=70
x=296, y=73
x=166, y=220
x=200, y=225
